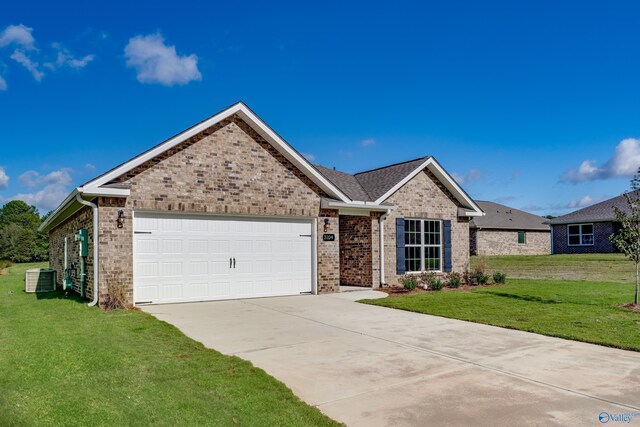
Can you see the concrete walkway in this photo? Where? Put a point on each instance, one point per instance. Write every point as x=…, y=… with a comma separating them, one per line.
x=373, y=366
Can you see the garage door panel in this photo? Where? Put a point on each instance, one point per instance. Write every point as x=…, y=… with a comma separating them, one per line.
x=186, y=258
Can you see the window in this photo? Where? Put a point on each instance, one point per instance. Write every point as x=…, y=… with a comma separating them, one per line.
x=522, y=237
x=422, y=245
x=580, y=234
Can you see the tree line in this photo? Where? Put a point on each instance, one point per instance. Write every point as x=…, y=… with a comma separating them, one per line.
x=20, y=240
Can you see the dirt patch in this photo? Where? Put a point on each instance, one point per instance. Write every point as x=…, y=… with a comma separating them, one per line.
x=632, y=307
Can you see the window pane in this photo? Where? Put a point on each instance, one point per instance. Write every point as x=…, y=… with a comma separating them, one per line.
x=574, y=240
x=412, y=234
x=587, y=229
x=432, y=232
x=574, y=229
x=432, y=258
x=522, y=239
x=587, y=239
x=412, y=258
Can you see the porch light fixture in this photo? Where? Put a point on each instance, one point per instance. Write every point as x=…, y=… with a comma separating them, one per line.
x=120, y=220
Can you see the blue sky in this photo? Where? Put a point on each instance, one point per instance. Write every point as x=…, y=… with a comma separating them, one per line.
x=532, y=104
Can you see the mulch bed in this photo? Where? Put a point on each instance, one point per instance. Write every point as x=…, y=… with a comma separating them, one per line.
x=397, y=291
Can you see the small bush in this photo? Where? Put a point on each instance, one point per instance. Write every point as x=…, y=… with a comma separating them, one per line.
x=436, y=284
x=499, y=277
x=4, y=264
x=409, y=282
x=477, y=278
x=455, y=279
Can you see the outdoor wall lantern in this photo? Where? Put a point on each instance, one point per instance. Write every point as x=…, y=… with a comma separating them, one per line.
x=326, y=225
x=120, y=220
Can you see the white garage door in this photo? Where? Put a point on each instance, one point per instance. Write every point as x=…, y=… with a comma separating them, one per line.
x=179, y=258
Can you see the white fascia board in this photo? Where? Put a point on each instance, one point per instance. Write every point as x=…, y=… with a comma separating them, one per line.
x=446, y=180
x=71, y=197
x=361, y=206
x=255, y=122
x=98, y=192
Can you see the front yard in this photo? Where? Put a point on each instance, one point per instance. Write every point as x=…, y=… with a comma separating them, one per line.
x=62, y=363
x=579, y=310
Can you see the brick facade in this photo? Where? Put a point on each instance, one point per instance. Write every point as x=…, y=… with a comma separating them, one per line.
x=81, y=219
x=356, y=264
x=425, y=197
x=601, y=242
x=226, y=169
x=505, y=242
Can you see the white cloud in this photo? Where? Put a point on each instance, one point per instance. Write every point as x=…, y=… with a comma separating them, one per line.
x=32, y=179
x=21, y=58
x=309, y=156
x=89, y=167
x=584, y=202
x=3, y=83
x=17, y=34
x=624, y=163
x=367, y=142
x=65, y=58
x=53, y=188
x=155, y=62
x=4, y=179
x=471, y=176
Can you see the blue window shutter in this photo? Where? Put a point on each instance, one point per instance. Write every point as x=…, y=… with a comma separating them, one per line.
x=400, y=246
x=446, y=229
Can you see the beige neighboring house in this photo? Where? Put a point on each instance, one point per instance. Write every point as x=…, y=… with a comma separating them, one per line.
x=507, y=231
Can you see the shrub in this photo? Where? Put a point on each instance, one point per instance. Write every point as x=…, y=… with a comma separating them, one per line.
x=454, y=280
x=499, y=277
x=409, y=282
x=477, y=278
x=436, y=284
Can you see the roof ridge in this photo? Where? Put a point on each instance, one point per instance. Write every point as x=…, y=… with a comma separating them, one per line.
x=391, y=165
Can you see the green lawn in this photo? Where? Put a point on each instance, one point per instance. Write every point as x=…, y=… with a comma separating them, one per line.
x=62, y=363
x=591, y=267
x=578, y=310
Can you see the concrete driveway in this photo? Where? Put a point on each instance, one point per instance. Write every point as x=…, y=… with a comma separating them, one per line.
x=374, y=366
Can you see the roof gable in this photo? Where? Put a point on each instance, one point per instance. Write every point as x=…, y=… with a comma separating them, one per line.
x=249, y=117
x=499, y=216
x=377, y=182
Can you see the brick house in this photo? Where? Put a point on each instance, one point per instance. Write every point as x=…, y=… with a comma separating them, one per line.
x=508, y=231
x=587, y=230
x=227, y=209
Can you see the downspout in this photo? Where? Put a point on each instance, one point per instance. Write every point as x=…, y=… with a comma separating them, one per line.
x=95, y=247
x=381, y=239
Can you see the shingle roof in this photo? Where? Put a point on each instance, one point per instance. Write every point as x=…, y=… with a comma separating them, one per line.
x=377, y=182
x=602, y=211
x=370, y=185
x=498, y=216
x=347, y=183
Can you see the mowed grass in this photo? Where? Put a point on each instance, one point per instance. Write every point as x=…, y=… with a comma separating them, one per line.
x=577, y=310
x=62, y=363
x=589, y=267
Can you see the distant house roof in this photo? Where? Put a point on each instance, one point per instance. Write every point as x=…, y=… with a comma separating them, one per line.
x=502, y=217
x=599, y=212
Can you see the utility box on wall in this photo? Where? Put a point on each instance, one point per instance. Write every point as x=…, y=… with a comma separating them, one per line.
x=82, y=237
x=40, y=280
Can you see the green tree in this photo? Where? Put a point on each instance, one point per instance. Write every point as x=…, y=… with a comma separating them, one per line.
x=627, y=239
x=20, y=240
x=18, y=212
x=17, y=243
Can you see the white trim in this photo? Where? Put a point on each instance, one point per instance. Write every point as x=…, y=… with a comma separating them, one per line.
x=381, y=222
x=133, y=252
x=314, y=256
x=580, y=234
x=423, y=245
x=445, y=178
x=252, y=120
x=105, y=192
x=353, y=205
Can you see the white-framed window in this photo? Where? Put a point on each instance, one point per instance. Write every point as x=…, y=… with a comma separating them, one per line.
x=422, y=245
x=522, y=237
x=580, y=234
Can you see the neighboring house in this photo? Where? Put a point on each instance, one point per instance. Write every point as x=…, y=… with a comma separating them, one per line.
x=587, y=230
x=227, y=209
x=508, y=231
